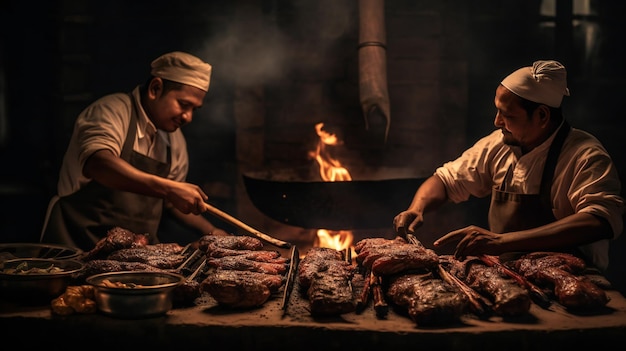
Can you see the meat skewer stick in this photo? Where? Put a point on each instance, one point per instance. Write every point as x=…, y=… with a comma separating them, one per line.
x=365, y=294
x=538, y=296
x=380, y=305
x=479, y=304
x=228, y=218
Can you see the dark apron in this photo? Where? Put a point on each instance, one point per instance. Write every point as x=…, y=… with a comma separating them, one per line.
x=84, y=217
x=510, y=212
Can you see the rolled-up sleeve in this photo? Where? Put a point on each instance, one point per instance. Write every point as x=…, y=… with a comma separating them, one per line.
x=472, y=173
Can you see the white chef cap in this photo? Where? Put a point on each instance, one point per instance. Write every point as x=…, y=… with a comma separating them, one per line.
x=545, y=83
x=183, y=68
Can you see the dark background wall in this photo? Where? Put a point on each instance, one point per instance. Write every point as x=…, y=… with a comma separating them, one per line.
x=282, y=66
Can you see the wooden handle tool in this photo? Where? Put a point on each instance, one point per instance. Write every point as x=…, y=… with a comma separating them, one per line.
x=230, y=219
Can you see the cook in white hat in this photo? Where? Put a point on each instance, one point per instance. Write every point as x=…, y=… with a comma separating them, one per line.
x=127, y=160
x=552, y=187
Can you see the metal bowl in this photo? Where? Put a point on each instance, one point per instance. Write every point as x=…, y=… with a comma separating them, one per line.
x=36, y=280
x=134, y=294
x=36, y=250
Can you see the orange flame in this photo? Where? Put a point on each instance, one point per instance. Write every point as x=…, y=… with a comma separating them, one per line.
x=331, y=170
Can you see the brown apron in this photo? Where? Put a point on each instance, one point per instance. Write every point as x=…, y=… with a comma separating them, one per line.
x=84, y=217
x=510, y=212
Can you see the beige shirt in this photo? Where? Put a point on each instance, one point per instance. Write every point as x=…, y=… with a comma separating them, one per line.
x=586, y=179
x=103, y=126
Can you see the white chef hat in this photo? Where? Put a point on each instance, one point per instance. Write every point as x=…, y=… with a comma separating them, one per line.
x=182, y=68
x=545, y=82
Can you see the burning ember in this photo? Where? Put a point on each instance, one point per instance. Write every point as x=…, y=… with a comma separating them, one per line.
x=331, y=170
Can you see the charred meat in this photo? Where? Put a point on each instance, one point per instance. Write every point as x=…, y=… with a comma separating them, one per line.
x=242, y=263
x=508, y=298
x=103, y=266
x=388, y=257
x=208, y=243
x=325, y=278
x=153, y=257
x=241, y=289
x=117, y=238
x=427, y=299
x=561, y=274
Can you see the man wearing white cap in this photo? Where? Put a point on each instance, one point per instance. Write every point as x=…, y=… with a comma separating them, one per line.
x=127, y=159
x=552, y=187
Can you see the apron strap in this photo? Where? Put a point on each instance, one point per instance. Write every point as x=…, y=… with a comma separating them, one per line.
x=550, y=166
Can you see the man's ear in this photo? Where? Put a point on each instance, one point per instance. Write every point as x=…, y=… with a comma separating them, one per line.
x=544, y=113
x=156, y=87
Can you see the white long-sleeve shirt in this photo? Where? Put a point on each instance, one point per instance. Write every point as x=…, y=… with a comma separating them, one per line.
x=586, y=179
x=104, y=125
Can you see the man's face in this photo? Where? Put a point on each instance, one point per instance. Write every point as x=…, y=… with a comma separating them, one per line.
x=175, y=108
x=518, y=128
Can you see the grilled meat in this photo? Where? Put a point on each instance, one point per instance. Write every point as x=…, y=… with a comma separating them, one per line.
x=186, y=293
x=325, y=277
x=427, y=299
x=208, y=243
x=241, y=289
x=152, y=257
x=254, y=255
x=387, y=257
x=507, y=296
x=560, y=273
x=117, y=238
x=164, y=248
x=242, y=263
x=102, y=266
x=309, y=266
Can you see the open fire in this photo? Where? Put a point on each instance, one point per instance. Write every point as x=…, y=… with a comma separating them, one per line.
x=331, y=170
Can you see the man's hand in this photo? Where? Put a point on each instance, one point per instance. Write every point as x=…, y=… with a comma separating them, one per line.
x=407, y=222
x=186, y=197
x=472, y=241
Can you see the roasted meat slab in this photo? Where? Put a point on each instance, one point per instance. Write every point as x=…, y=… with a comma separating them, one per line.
x=153, y=257
x=117, y=238
x=103, y=266
x=391, y=256
x=507, y=297
x=325, y=278
x=207, y=243
x=241, y=289
x=241, y=274
x=561, y=274
x=427, y=299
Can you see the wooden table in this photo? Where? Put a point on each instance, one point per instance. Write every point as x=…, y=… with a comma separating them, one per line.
x=206, y=324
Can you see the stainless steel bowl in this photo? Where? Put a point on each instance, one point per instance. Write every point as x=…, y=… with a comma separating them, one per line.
x=134, y=294
x=36, y=250
x=36, y=280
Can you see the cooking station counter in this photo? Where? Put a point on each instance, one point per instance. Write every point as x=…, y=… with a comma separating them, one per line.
x=207, y=325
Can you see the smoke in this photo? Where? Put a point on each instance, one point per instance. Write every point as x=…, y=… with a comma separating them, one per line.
x=263, y=45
